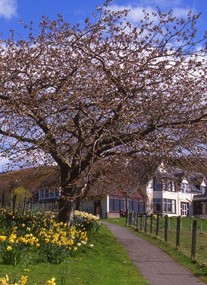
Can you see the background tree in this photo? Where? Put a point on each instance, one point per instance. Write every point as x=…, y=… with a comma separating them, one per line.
x=77, y=95
x=22, y=194
x=16, y=187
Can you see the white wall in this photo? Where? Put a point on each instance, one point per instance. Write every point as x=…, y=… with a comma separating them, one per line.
x=178, y=196
x=89, y=204
x=149, y=193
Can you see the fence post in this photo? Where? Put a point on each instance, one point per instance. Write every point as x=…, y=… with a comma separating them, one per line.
x=141, y=222
x=193, y=249
x=137, y=220
x=166, y=227
x=201, y=225
x=178, y=232
x=157, y=224
x=151, y=221
x=127, y=217
x=130, y=218
x=145, y=223
x=133, y=219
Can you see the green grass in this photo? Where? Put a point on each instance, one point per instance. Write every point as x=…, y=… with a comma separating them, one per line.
x=183, y=253
x=186, y=237
x=106, y=263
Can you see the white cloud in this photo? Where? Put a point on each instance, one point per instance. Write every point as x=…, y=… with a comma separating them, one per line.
x=136, y=12
x=4, y=162
x=8, y=8
x=161, y=3
x=181, y=12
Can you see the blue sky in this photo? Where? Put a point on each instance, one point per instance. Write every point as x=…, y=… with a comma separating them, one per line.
x=12, y=11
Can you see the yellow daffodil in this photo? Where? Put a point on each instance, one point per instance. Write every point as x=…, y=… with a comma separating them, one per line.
x=51, y=282
x=2, y=238
x=23, y=280
x=9, y=248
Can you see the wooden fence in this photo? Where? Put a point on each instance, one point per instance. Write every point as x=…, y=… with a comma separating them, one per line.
x=189, y=235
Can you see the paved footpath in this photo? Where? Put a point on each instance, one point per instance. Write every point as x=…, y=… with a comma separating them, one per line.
x=154, y=264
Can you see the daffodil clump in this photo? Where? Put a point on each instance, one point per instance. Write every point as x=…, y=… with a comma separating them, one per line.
x=13, y=247
x=60, y=242
x=86, y=221
x=5, y=281
x=23, y=281
x=44, y=239
x=30, y=221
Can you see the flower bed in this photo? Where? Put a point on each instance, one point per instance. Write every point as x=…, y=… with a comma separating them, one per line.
x=42, y=238
x=23, y=281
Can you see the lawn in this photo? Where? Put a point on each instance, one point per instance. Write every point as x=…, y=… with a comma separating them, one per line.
x=186, y=236
x=183, y=253
x=103, y=264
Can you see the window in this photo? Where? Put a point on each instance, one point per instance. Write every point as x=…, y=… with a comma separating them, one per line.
x=136, y=206
x=169, y=206
x=41, y=194
x=173, y=206
x=157, y=185
x=165, y=205
x=130, y=205
x=166, y=185
x=157, y=205
x=117, y=203
x=52, y=193
x=170, y=186
x=185, y=187
x=184, y=209
x=46, y=193
x=122, y=203
x=141, y=207
x=114, y=204
x=57, y=193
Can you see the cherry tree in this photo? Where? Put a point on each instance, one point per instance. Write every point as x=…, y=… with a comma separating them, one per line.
x=78, y=95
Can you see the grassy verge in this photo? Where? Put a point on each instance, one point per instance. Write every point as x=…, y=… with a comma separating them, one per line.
x=199, y=270
x=103, y=264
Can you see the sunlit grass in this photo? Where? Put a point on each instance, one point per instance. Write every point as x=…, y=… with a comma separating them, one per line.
x=103, y=264
x=182, y=254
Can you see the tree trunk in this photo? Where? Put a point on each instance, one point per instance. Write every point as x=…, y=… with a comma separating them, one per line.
x=24, y=206
x=3, y=200
x=78, y=203
x=65, y=210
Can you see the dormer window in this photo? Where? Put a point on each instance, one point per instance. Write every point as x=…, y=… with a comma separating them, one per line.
x=185, y=188
x=203, y=188
x=157, y=185
x=163, y=185
x=170, y=186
